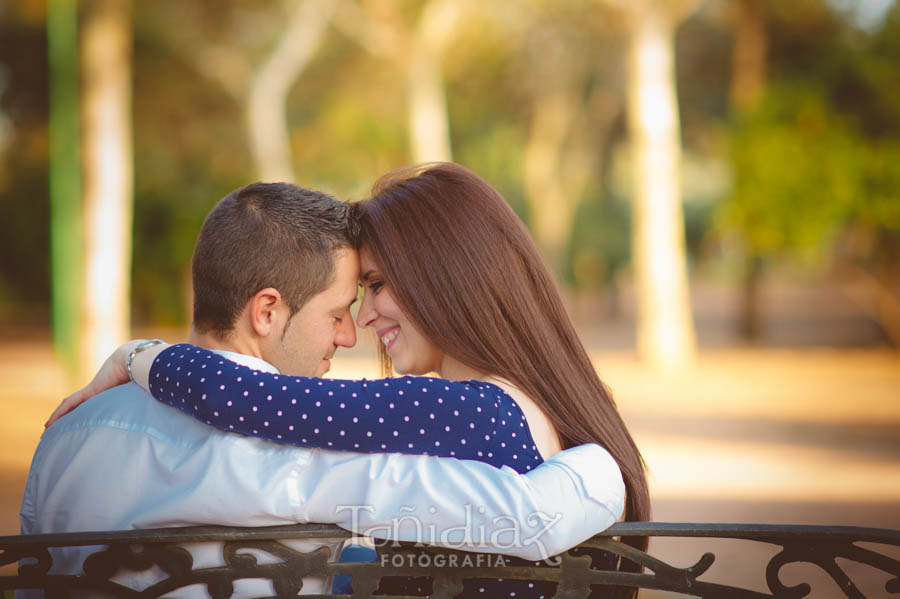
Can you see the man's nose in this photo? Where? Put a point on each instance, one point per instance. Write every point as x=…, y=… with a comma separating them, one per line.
x=367, y=314
x=346, y=335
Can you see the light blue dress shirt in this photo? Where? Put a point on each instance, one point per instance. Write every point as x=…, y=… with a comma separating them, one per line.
x=126, y=461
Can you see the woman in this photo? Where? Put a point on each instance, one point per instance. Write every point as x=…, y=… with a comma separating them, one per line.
x=453, y=284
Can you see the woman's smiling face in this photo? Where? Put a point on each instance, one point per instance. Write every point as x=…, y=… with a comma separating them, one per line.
x=410, y=351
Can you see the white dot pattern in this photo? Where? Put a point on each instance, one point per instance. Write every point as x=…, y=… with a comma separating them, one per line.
x=458, y=419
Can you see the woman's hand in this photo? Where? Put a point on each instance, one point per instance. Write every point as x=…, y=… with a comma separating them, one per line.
x=112, y=374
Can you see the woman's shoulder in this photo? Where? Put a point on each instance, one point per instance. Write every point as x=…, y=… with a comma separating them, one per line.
x=519, y=411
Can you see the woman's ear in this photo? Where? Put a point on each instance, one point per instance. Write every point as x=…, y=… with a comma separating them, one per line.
x=267, y=312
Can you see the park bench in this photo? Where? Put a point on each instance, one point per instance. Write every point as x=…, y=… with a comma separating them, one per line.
x=830, y=549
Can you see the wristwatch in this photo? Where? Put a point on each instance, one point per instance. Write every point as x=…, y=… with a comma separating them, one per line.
x=140, y=347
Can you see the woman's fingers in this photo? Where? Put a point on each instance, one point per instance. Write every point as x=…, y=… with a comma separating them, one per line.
x=111, y=374
x=67, y=405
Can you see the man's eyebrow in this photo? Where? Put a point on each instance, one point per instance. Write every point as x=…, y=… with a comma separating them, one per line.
x=347, y=306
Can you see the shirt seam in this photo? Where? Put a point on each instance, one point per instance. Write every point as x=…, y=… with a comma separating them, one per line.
x=157, y=434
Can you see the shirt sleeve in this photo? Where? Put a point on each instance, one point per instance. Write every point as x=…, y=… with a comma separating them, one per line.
x=469, y=505
x=413, y=415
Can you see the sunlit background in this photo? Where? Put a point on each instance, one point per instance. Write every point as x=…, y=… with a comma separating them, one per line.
x=716, y=184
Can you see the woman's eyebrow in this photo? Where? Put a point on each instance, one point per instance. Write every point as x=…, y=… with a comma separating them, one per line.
x=365, y=276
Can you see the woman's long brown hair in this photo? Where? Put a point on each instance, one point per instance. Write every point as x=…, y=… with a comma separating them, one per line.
x=464, y=268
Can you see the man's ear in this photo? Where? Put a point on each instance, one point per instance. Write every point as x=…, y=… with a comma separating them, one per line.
x=267, y=312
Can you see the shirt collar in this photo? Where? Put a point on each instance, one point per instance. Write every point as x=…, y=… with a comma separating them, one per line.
x=245, y=360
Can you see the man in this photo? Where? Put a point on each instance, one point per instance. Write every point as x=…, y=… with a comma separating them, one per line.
x=274, y=276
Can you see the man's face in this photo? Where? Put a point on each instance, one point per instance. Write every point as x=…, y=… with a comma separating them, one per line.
x=322, y=325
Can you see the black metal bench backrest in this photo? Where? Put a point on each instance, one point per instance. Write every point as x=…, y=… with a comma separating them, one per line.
x=446, y=569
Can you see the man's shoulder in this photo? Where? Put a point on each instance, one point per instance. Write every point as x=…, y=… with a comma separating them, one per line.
x=123, y=401
x=130, y=409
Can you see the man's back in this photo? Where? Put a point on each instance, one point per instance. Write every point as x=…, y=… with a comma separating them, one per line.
x=125, y=461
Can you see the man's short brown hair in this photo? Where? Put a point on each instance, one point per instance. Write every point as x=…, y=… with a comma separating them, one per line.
x=265, y=235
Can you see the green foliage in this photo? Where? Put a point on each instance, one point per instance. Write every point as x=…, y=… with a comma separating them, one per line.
x=348, y=122
x=497, y=156
x=819, y=153
x=797, y=174
x=601, y=240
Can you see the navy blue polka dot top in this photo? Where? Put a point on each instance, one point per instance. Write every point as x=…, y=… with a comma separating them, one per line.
x=413, y=415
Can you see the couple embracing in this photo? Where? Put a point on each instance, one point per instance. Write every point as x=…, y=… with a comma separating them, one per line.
x=499, y=407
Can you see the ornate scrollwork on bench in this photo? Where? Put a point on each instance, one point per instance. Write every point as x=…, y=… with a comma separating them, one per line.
x=445, y=570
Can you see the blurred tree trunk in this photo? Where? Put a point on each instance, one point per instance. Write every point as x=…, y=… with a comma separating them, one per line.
x=572, y=111
x=262, y=90
x=749, y=56
x=566, y=141
x=108, y=178
x=747, y=83
x=749, y=324
x=665, y=334
x=65, y=180
x=552, y=209
x=429, y=123
x=418, y=53
x=266, y=118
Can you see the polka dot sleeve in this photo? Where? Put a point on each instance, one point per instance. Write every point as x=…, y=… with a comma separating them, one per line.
x=414, y=415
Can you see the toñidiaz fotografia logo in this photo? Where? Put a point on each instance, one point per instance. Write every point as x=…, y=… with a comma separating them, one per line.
x=470, y=532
